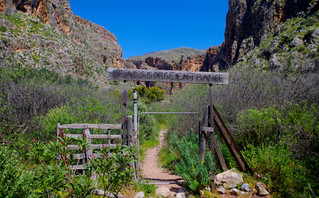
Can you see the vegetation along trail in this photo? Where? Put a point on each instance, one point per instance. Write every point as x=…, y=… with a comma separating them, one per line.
x=152, y=171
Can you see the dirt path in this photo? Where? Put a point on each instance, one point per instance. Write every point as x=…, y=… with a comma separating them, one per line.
x=152, y=171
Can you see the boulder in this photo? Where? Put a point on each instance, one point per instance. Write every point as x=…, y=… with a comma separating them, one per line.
x=245, y=187
x=140, y=195
x=163, y=191
x=296, y=42
x=235, y=192
x=181, y=193
x=221, y=190
x=262, y=189
x=229, y=179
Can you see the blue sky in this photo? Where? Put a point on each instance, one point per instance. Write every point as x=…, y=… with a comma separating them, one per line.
x=143, y=26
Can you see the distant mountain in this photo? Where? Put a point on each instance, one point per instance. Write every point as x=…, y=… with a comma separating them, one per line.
x=46, y=34
x=181, y=59
x=172, y=55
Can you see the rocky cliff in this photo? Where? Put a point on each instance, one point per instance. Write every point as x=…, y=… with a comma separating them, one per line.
x=46, y=34
x=250, y=23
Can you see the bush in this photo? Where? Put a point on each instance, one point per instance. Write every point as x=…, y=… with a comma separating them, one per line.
x=186, y=162
x=258, y=126
x=152, y=94
x=285, y=176
x=15, y=180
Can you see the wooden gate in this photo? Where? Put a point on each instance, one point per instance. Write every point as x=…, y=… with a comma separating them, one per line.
x=125, y=137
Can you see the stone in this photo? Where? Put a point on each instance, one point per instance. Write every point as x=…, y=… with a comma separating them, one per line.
x=245, y=187
x=235, y=192
x=101, y=193
x=208, y=188
x=181, y=193
x=262, y=189
x=140, y=195
x=229, y=179
x=162, y=191
x=296, y=42
x=221, y=190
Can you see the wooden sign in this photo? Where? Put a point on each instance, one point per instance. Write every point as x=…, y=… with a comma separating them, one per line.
x=168, y=76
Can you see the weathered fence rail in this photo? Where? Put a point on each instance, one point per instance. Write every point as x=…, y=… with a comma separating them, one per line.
x=88, y=153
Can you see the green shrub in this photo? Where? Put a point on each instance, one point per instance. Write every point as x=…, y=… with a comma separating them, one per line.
x=182, y=156
x=152, y=94
x=148, y=189
x=285, y=176
x=114, y=168
x=15, y=180
x=256, y=126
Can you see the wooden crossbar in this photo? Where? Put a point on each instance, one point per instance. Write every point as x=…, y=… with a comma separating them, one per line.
x=90, y=126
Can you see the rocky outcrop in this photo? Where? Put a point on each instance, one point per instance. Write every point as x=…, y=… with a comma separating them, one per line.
x=40, y=33
x=181, y=59
x=251, y=22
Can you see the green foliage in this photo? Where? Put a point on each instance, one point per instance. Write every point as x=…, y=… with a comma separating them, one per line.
x=45, y=176
x=147, y=188
x=186, y=162
x=256, y=125
x=15, y=180
x=282, y=146
x=152, y=94
x=285, y=176
x=148, y=125
x=114, y=168
x=32, y=102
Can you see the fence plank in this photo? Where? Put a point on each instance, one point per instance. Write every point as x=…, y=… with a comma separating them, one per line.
x=100, y=146
x=93, y=146
x=220, y=156
x=101, y=136
x=78, y=167
x=73, y=135
x=82, y=155
x=90, y=126
x=95, y=136
x=230, y=142
x=202, y=141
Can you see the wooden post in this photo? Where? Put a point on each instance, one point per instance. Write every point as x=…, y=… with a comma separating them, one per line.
x=109, y=140
x=130, y=140
x=220, y=156
x=202, y=134
x=234, y=150
x=88, y=151
x=124, y=123
x=129, y=131
x=212, y=139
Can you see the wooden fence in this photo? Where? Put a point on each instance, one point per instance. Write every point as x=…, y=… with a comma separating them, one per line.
x=126, y=138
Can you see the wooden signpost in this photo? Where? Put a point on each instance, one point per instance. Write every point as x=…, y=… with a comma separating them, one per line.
x=210, y=117
x=168, y=76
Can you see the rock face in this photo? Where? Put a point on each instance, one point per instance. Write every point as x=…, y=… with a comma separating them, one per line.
x=46, y=34
x=251, y=22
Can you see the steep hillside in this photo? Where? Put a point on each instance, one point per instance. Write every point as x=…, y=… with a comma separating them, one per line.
x=250, y=23
x=46, y=34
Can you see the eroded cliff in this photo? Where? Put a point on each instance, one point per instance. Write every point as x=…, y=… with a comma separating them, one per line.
x=46, y=34
x=250, y=23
